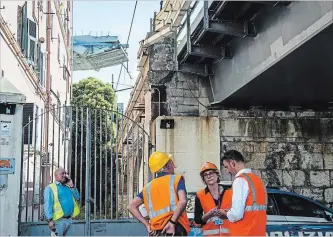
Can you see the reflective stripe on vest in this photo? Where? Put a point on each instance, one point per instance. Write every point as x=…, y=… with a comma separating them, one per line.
x=57, y=209
x=254, y=206
x=216, y=231
x=167, y=209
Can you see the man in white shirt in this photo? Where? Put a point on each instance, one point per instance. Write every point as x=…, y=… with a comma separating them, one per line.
x=249, y=198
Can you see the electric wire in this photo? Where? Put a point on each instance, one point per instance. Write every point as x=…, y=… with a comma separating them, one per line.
x=128, y=37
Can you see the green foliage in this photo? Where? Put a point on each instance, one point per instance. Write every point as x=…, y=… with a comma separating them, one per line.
x=94, y=93
x=100, y=98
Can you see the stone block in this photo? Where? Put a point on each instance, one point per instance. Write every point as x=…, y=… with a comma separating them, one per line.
x=239, y=146
x=272, y=177
x=176, y=100
x=320, y=178
x=257, y=161
x=328, y=161
x=317, y=147
x=314, y=193
x=303, y=114
x=173, y=92
x=188, y=109
x=281, y=114
x=257, y=172
x=230, y=128
x=190, y=101
x=328, y=195
x=188, y=85
x=311, y=160
x=202, y=107
x=263, y=147
x=328, y=148
x=293, y=178
x=249, y=147
x=191, y=93
x=290, y=161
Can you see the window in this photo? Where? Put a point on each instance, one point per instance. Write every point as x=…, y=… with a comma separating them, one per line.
x=296, y=206
x=26, y=34
x=271, y=206
x=32, y=36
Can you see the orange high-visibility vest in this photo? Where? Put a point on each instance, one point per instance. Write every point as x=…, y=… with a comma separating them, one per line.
x=160, y=199
x=254, y=220
x=208, y=203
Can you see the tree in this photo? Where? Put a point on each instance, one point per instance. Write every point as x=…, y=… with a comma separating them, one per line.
x=99, y=99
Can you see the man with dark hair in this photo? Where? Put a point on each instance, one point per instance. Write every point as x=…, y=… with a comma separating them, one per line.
x=247, y=215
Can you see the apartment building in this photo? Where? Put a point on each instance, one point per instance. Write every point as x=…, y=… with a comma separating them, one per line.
x=35, y=58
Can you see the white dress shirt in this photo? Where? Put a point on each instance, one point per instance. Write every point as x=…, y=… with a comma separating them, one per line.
x=240, y=192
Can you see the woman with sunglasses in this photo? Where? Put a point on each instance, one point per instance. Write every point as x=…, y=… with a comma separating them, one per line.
x=209, y=203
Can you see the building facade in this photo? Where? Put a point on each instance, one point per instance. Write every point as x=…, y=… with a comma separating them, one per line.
x=35, y=58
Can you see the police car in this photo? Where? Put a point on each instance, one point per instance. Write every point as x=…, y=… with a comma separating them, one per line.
x=290, y=214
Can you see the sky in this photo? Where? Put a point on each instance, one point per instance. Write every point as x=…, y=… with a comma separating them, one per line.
x=101, y=17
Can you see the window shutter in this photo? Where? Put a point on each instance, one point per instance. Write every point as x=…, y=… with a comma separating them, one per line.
x=19, y=25
x=25, y=29
x=28, y=111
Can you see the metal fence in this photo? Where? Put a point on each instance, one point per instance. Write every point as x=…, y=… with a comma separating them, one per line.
x=104, y=152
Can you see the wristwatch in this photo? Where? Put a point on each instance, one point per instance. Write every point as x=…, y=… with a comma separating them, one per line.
x=172, y=222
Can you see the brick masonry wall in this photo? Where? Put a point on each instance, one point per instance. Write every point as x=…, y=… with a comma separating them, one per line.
x=183, y=90
x=290, y=150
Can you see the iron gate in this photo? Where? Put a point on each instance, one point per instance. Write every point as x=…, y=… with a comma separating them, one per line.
x=104, y=151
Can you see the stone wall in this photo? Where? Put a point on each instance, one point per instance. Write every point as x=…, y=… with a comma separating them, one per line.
x=291, y=150
x=183, y=91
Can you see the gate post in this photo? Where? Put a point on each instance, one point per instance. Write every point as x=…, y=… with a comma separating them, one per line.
x=11, y=116
x=87, y=231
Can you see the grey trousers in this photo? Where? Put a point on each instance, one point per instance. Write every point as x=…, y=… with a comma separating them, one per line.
x=62, y=225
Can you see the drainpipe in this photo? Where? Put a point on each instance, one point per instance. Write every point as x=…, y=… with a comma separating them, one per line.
x=56, y=96
x=71, y=48
x=48, y=88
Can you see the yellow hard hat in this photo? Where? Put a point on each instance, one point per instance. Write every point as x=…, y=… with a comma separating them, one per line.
x=157, y=161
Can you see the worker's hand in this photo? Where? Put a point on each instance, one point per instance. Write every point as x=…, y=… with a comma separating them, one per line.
x=212, y=212
x=222, y=213
x=150, y=231
x=70, y=183
x=169, y=229
x=52, y=226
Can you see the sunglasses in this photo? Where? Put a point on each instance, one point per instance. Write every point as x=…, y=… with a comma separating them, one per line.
x=209, y=174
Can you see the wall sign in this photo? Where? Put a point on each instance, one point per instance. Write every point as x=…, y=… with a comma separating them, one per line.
x=5, y=129
x=7, y=166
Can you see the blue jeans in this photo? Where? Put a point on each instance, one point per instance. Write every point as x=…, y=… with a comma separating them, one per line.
x=61, y=225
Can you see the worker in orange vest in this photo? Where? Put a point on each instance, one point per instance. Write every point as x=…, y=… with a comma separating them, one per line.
x=210, y=201
x=164, y=198
x=247, y=215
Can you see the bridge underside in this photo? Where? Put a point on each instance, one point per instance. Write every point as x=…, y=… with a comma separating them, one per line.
x=263, y=54
x=302, y=79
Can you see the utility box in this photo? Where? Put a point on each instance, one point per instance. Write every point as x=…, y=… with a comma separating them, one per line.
x=11, y=115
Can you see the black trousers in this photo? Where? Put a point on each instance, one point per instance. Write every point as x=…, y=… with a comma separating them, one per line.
x=180, y=231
